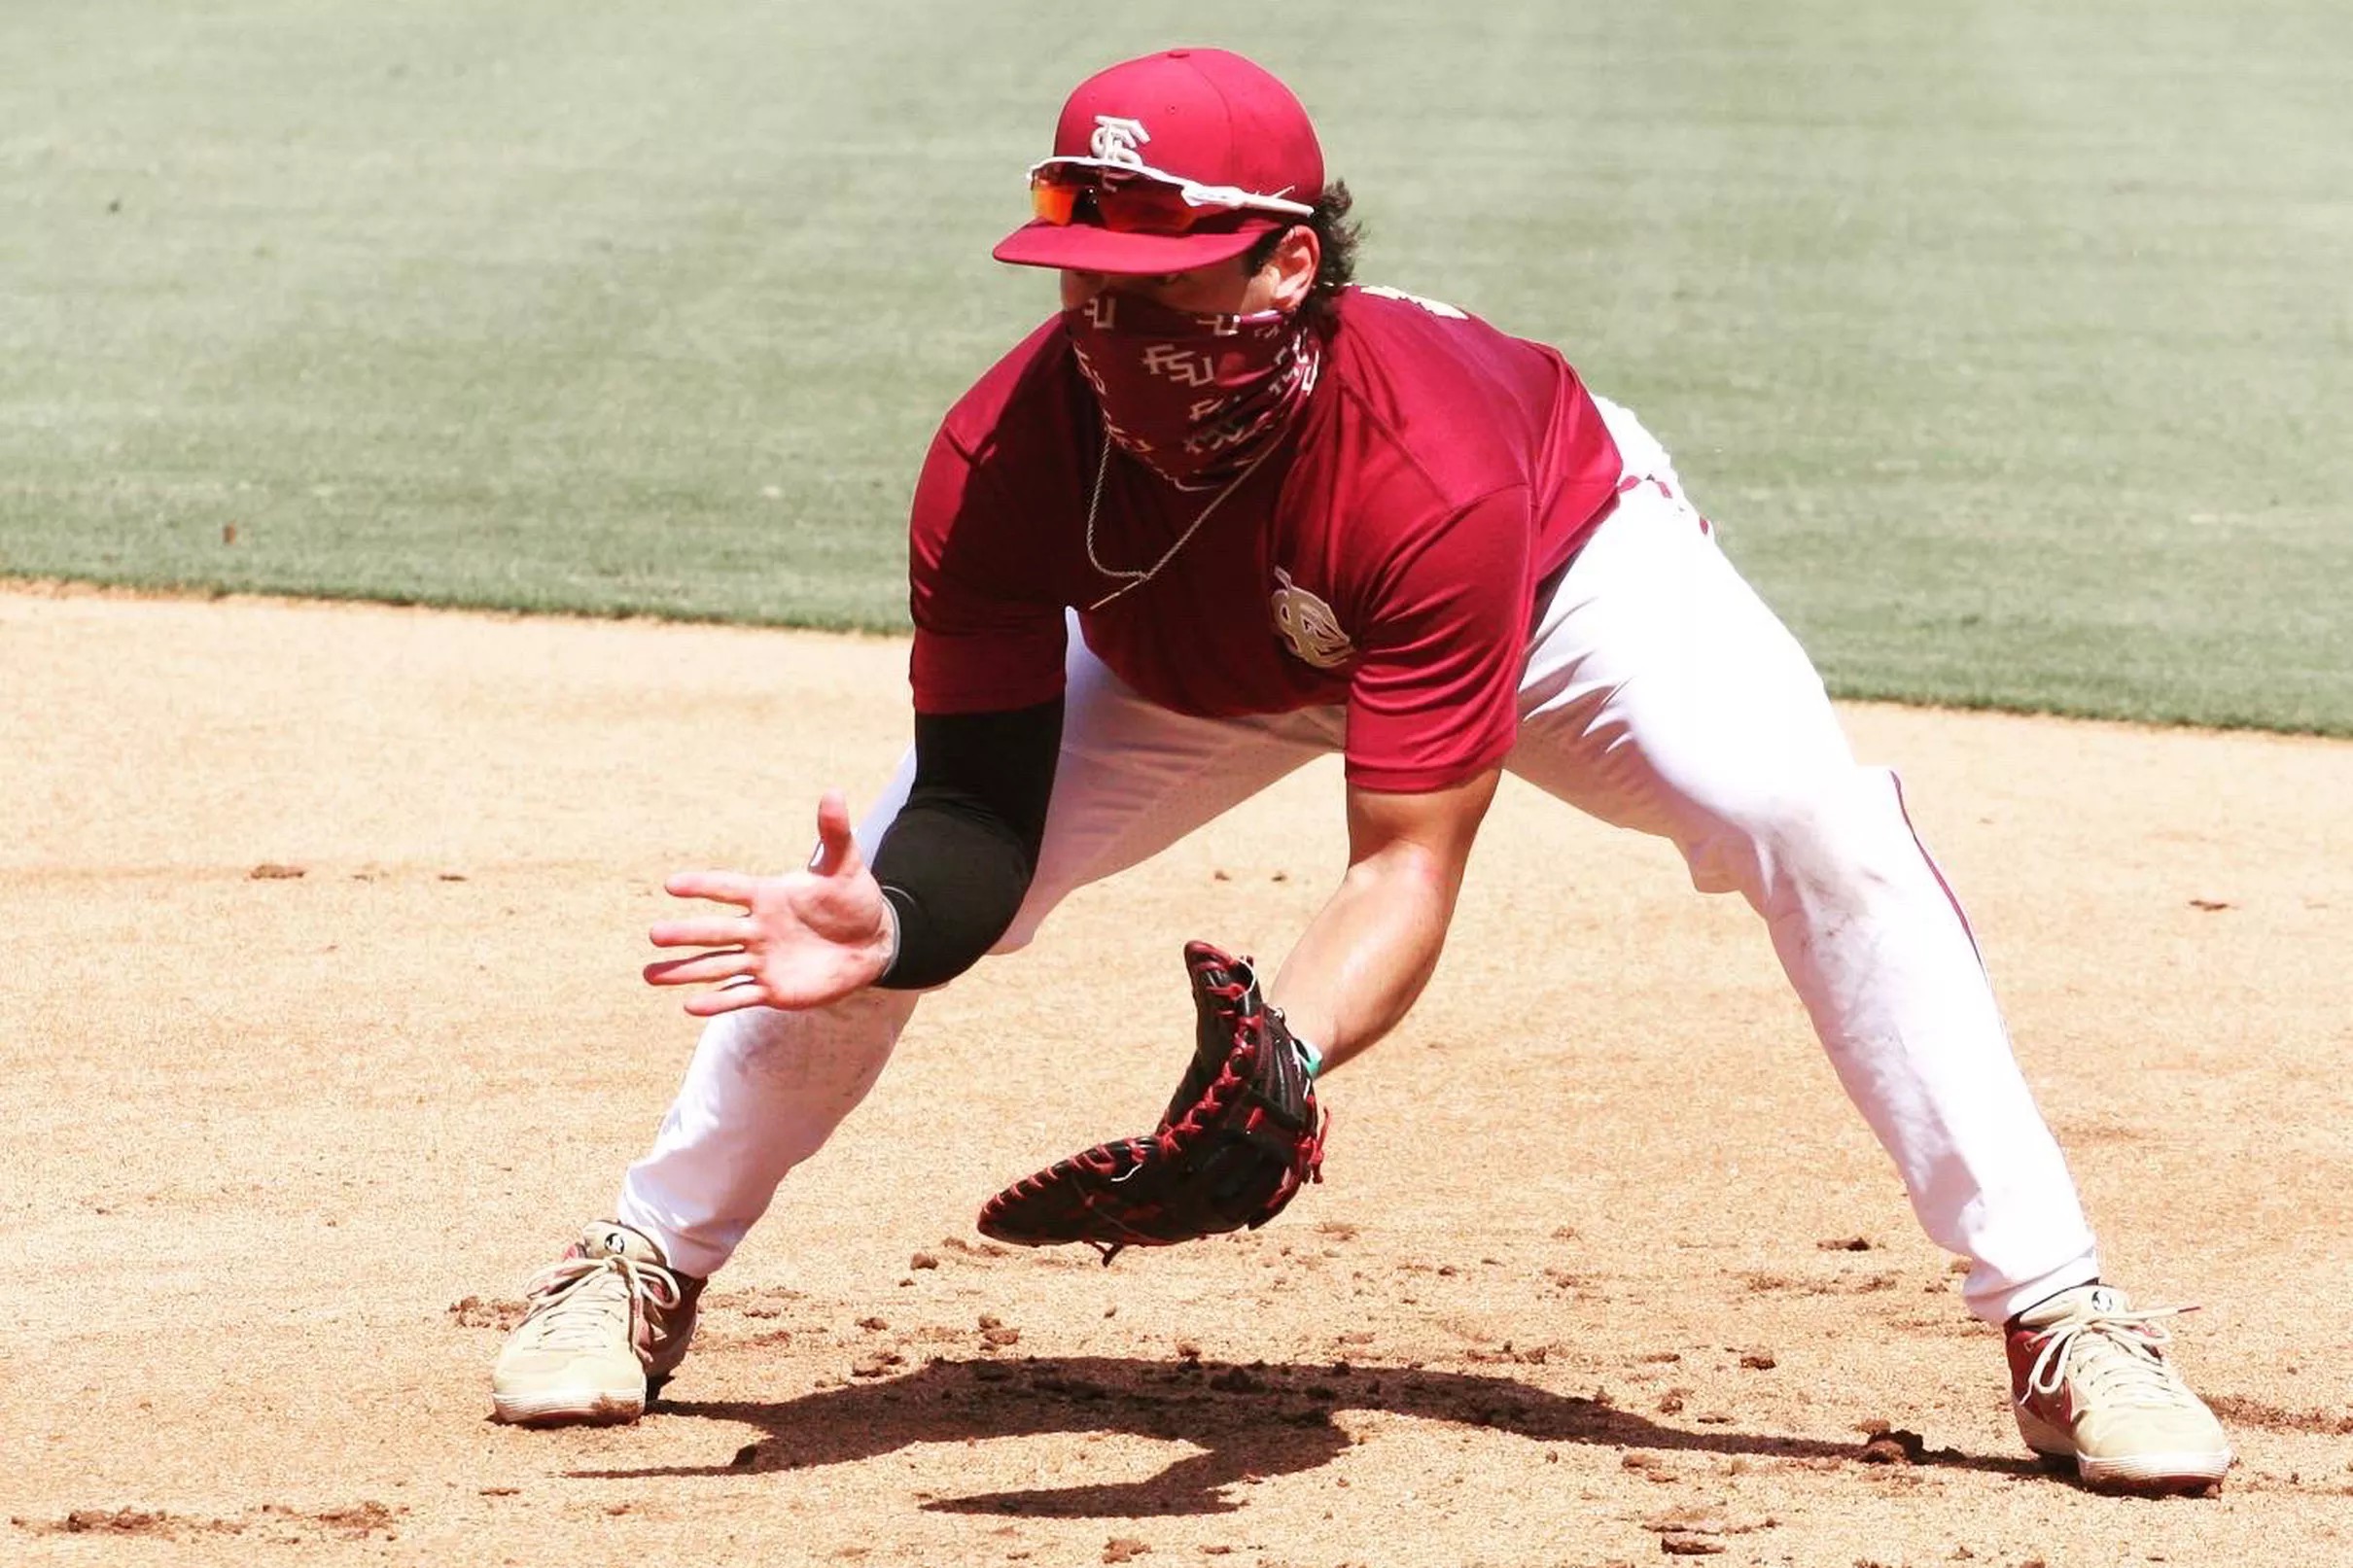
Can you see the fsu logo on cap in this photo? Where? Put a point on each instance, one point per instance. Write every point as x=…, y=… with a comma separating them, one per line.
x=1115, y=140
x=1307, y=625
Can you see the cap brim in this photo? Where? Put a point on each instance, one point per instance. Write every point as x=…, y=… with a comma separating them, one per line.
x=1088, y=248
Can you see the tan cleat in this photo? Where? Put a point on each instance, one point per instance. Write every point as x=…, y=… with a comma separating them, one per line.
x=609, y=1323
x=2089, y=1382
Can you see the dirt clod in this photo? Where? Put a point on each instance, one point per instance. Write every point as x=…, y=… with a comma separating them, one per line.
x=475, y=1312
x=1894, y=1447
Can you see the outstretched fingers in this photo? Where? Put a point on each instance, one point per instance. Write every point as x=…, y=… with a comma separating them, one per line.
x=720, y=886
x=703, y=934
x=732, y=964
x=802, y=939
x=729, y=999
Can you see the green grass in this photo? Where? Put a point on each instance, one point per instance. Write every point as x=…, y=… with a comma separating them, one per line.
x=2011, y=343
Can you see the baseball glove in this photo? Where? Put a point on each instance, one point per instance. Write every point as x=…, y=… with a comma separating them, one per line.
x=1240, y=1138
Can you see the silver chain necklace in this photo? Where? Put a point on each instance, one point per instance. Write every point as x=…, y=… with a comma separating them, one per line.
x=1137, y=580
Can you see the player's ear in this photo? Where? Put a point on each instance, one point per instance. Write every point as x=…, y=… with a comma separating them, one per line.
x=1297, y=257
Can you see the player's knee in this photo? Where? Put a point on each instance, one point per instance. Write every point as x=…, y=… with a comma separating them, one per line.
x=1828, y=833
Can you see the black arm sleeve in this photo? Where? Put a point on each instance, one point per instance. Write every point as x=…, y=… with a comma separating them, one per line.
x=957, y=859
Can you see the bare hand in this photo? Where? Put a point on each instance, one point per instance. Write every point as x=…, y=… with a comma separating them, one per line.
x=806, y=938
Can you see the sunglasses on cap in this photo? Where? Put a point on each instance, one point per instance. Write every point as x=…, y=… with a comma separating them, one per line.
x=1132, y=198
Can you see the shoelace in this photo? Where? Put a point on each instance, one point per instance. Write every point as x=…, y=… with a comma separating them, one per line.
x=577, y=1316
x=2119, y=1354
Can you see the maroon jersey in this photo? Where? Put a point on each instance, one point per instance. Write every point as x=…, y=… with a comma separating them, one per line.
x=1384, y=556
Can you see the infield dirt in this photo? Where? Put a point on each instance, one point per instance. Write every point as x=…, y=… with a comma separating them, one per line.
x=321, y=1030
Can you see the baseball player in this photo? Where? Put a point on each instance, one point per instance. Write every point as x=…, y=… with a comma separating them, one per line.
x=1227, y=511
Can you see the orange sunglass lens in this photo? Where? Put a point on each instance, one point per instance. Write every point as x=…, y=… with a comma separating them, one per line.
x=1053, y=201
x=1126, y=206
x=1144, y=208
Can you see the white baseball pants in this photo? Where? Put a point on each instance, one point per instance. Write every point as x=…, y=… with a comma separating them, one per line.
x=1661, y=694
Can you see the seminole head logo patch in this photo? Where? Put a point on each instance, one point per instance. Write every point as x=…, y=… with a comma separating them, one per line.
x=1307, y=625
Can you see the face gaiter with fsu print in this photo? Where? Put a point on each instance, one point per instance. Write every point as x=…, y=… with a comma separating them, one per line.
x=1196, y=397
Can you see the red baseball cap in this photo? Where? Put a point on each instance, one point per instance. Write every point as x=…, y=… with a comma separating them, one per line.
x=1215, y=139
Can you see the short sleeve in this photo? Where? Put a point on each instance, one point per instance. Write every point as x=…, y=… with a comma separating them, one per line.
x=985, y=637
x=1434, y=699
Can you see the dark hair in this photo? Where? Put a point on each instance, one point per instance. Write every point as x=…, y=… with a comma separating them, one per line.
x=1336, y=237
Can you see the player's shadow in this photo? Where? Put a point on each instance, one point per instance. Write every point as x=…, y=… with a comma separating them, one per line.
x=1251, y=1422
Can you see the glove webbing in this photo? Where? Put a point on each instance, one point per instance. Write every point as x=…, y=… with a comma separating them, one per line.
x=1106, y=1160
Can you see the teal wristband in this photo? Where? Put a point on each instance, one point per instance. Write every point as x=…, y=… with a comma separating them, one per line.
x=1309, y=1057
x=1308, y=1054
